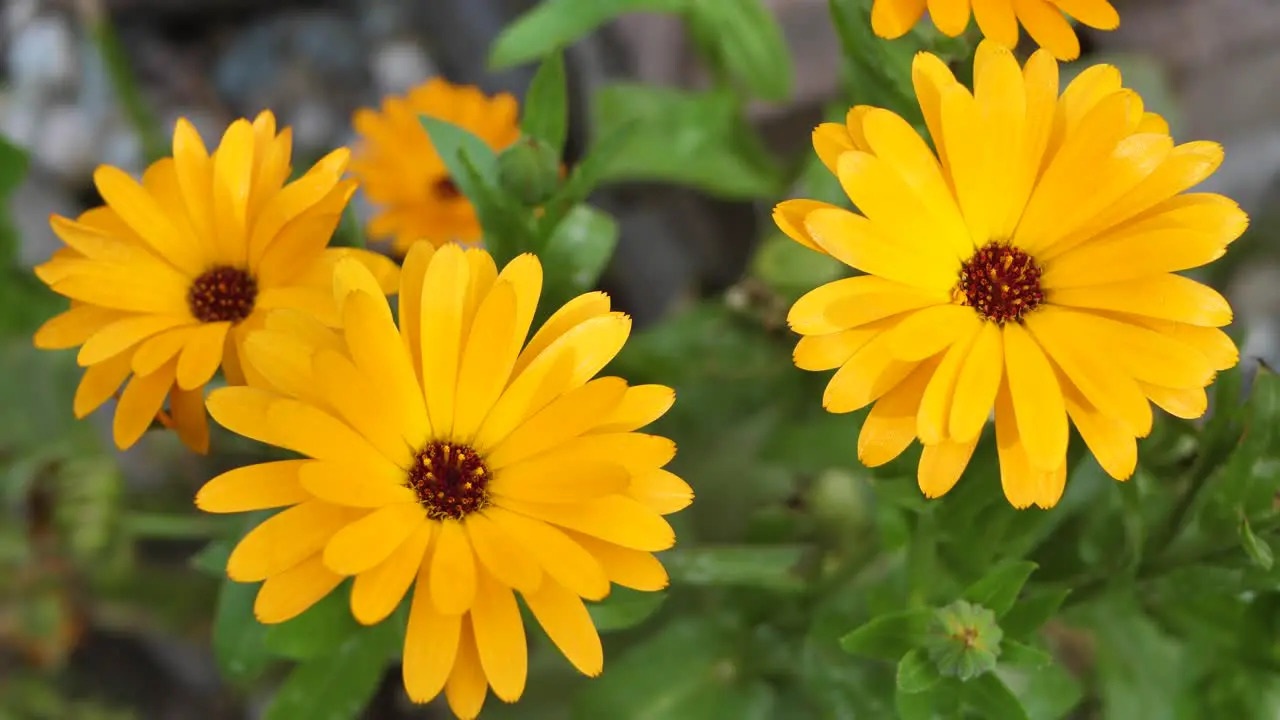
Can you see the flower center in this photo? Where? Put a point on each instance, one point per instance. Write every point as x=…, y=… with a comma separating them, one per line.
x=222, y=294
x=1001, y=282
x=450, y=480
x=445, y=189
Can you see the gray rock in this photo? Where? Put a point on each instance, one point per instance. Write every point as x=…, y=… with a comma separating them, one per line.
x=42, y=54
x=399, y=65
x=66, y=143
x=29, y=207
x=308, y=67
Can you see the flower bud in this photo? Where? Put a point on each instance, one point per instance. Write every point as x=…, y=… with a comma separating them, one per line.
x=529, y=170
x=964, y=640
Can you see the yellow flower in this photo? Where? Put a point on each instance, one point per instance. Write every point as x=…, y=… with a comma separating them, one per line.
x=452, y=456
x=1031, y=270
x=998, y=20
x=402, y=174
x=167, y=277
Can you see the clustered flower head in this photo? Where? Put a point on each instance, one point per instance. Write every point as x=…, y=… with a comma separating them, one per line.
x=1024, y=264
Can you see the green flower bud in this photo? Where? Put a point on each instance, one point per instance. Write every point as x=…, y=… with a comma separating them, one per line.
x=964, y=640
x=529, y=170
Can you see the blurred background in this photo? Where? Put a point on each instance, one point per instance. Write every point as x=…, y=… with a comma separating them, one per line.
x=104, y=617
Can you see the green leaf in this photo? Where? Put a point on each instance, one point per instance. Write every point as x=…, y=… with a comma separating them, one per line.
x=1258, y=549
x=1021, y=655
x=585, y=176
x=748, y=44
x=322, y=629
x=239, y=640
x=212, y=558
x=1029, y=613
x=338, y=684
x=791, y=269
x=473, y=167
x=914, y=706
x=698, y=139
x=889, y=637
x=916, y=672
x=624, y=608
x=989, y=695
x=556, y=23
x=577, y=253
x=661, y=675
x=13, y=167
x=760, y=566
x=546, y=104
x=999, y=588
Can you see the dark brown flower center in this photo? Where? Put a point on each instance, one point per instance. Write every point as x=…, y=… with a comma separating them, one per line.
x=450, y=480
x=1001, y=282
x=445, y=189
x=222, y=294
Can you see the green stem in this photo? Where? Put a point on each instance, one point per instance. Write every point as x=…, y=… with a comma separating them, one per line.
x=172, y=526
x=922, y=556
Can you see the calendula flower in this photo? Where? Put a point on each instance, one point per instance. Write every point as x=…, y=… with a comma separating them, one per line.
x=403, y=175
x=1045, y=20
x=451, y=456
x=167, y=278
x=1030, y=267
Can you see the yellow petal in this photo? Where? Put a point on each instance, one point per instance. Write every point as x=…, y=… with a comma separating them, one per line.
x=499, y=638
x=487, y=359
x=365, y=407
x=443, y=294
x=186, y=409
x=996, y=20
x=243, y=411
x=1126, y=256
x=563, y=561
x=824, y=352
x=288, y=594
x=892, y=19
x=379, y=355
x=891, y=425
x=253, y=487
x=352, y=485
x=73, y=327
x=950, y=16
x=565, y=619
x=159, y=349
x=854, y=301
x=942, y=465
x=564, y=418
x=201, y=355
x=916, y=220
x=286, y=539
x=559, y=481
x=139, y=404
x=377, y=592
x=870, y=373
x=977, y=383
x=1046, y=25
x=453, y=570
x=629, y=568
x=315, y=433
x=410, y=301
x=1090, y=369
x=146, y=217
x=640, y=405
x=934, y=417
x=99, y=383
x=124, y=334
x=925, y=333
x=1037, y=399
x=1108, y=438
x=367, y=542
x=430, y=644
x=854, y=240
x=466, y=688
x=661, y=491
x=501, y=555
x=1165, y=297
x=572, y=314
x=1186, y=403
x=789, y=215
x=613, y=518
